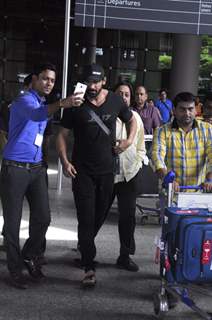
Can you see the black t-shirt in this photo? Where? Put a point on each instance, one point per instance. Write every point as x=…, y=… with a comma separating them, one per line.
x=92, y=149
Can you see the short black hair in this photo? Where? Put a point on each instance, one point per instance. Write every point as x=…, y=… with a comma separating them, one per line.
x=42, y=67
x=183, y=97
x=163, y=90
x=127, y=84
x=141, y=86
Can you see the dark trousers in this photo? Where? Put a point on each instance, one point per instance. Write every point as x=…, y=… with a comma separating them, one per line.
x=92, y=195
x=126, y=193
x=15, y=184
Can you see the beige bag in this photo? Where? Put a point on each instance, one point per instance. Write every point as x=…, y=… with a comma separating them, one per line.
x=3, y=140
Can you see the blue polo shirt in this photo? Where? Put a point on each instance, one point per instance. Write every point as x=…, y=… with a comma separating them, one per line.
x=28, y=118
x=165, y=109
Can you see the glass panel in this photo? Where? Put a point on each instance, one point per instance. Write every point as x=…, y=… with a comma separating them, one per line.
x=12, y=7
x=141, y=38
x=1, y=48
x=164, y=61
x=15, y=50
x=12, y=69
x=152, y=81
x=16, y=27
x=127, y=75
x=152, y=95
x=1, y=70
x=140, y=77
x=1, y=6
x=166, y=43
x=1, y=25
x=12, y=89
x=108, y=38
x=129, y=40
x=34, y=7
x=153, y=40
x=106, y=59
x=152, y=60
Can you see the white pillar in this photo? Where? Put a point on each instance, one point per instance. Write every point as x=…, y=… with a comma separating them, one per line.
x=185, y=64
x=65, y=76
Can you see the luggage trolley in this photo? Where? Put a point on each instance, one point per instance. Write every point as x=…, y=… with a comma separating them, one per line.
x=148, y=188
x=185, y=249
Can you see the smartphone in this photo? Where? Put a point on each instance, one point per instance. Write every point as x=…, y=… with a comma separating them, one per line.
x=80, y=88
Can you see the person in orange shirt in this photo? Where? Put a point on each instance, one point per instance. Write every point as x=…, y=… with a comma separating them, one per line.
x=198, y=107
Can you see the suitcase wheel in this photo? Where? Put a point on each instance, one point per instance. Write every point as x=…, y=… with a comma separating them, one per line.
x=143, y=220
x=161, y=305
x=172, y=300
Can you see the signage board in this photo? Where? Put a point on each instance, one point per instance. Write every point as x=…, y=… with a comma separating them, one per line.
x=173, y=16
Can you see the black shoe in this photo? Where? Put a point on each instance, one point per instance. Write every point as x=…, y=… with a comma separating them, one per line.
x=34, y=270
x=17, y=280
x=89, y=279
x=172, y=300
x=127, y=264
x=41, y=260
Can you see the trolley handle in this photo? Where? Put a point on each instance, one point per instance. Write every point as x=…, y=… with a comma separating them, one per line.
x=169, y=178
x=195, y=187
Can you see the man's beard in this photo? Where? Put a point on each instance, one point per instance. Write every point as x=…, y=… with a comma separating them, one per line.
x=186, y=122
x=92, y=93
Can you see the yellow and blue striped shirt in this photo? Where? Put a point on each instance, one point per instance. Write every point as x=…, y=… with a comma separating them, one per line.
x=188, y=154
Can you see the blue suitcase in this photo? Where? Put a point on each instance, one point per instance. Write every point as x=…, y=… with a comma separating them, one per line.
x=189, y=245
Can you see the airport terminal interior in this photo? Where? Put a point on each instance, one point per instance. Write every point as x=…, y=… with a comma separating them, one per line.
x=33, y=32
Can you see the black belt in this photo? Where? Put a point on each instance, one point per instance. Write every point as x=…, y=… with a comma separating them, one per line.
x=26, y=165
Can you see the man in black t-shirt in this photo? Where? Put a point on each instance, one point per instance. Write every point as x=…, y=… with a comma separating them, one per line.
x=92, y=164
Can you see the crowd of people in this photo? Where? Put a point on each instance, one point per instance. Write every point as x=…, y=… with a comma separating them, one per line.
x=109, y=128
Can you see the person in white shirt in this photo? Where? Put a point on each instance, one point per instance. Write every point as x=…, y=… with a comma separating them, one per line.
x=127, y=182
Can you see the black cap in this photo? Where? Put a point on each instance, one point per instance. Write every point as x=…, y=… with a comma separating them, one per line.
x=93, y=72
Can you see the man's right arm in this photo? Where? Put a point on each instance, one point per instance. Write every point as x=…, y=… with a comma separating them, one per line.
x=26, y=106
x=207, y=185
x=61, y=145
x=74, y=100
x=159, y=152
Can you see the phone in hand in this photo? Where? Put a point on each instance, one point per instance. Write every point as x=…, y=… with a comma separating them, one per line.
x=81, y=89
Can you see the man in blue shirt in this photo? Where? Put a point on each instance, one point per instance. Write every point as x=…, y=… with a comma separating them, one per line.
x=23, y=174
x=164, y=105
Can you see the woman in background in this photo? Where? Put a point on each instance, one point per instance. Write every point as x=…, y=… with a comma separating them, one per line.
x=127, y=182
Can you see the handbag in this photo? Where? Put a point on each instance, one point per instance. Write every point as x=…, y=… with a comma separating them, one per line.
x=3, y=139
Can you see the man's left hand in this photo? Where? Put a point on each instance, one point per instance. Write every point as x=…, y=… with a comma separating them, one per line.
x=207, y=186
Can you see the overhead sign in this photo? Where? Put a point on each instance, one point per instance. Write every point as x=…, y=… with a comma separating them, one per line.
x=175, y=16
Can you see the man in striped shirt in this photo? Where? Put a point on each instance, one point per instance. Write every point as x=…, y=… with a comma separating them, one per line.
x=184, y=146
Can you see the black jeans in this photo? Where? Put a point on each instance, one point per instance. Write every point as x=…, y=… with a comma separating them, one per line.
x=126, y=193
x=15, y=183
x=92, y=195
